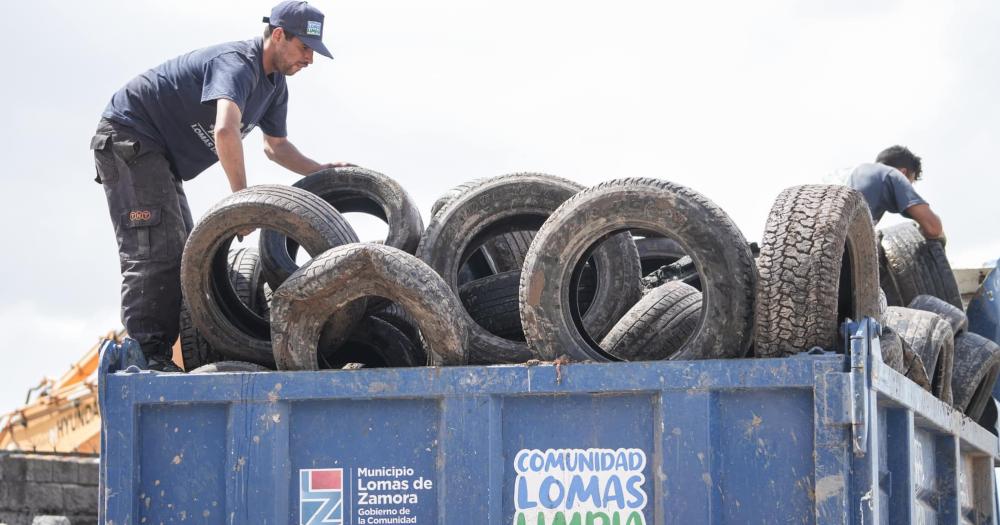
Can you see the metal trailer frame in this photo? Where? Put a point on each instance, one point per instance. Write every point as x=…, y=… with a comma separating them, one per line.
x=818, y=438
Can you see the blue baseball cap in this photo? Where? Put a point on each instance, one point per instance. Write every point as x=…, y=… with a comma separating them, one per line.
x=302, y=20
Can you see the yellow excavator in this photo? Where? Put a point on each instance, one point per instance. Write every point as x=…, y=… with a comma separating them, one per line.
x=61, y=415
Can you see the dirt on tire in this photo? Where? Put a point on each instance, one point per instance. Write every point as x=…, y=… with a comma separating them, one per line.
x=330, y=281
x=226, y=323
x=718, y=249
x=517, y=203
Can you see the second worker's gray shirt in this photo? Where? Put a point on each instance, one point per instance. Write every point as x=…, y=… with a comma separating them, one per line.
x=885, y=189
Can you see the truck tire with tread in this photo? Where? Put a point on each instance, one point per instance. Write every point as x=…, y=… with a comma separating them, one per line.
x=918, y=266
x=977, y=365
x=658, y=325
x=955, y=316
x=818, y=265
x=931, y=338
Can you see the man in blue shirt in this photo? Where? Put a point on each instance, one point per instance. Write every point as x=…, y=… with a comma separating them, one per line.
x=172, y=122
x=888, y=187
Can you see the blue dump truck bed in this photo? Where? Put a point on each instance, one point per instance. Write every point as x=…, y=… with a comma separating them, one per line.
x=820, y=438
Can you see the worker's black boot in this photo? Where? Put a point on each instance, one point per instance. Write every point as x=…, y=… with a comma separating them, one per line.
x=159, y=359
x=162, y=364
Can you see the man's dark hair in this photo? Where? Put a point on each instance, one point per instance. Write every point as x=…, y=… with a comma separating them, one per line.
x=270, y=29
x=901, y=157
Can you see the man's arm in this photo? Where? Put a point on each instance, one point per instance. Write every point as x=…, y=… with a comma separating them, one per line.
x=283, y=152
x=929, y=222
x=229, y=142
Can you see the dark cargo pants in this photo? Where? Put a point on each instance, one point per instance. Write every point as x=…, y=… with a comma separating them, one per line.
x=152, y=220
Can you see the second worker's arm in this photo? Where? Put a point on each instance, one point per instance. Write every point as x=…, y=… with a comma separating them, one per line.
x=929, y=222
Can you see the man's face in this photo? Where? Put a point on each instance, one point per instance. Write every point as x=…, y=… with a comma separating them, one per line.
x=291, y=54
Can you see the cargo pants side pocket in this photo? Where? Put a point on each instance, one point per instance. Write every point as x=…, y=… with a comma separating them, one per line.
x=104, y=159
x=140, y=221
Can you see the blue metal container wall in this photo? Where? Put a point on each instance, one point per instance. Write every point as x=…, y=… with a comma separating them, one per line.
x=984, y=308
x=812, y=439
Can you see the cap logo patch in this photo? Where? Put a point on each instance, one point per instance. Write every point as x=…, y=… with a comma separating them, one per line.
x=314, y=28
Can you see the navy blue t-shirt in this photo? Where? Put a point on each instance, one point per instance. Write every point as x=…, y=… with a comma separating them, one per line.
x=885, y=188
x=174, y=103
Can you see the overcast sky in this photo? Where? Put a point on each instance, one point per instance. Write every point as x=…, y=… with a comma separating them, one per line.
x=737, y=100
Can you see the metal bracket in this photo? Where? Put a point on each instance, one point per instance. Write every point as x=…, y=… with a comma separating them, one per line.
x=858, y=337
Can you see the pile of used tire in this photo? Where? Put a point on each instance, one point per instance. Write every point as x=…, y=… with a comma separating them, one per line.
x=531, y=266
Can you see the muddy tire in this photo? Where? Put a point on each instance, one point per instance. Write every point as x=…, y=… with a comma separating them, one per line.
x=228, y=367
x=657, y=326
x=506, y=252
x=395, y=315
x=883, y=305
x=955, y=316
x=492, y=303
x=226, y=323
x=818, y=265
x=375, y=343
x=913, y=367
x=931, y=338
x=977, y=365
x=450, y=195
x=918, y=266
x=499, y=254
x=339, y=276
x=195, y=350
x=705, y=232
x=244, y=277
x=347, y=189
x=682, y=270
x=517, y=203
x=891, y=347
x=656, y=252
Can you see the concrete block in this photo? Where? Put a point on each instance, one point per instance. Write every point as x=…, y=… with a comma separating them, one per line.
x=79, y=499
x=12, y=467
x=15, y=518
x=13, y=495
x=88, y=472
x=65, y=471
x=39, y=470
x=44, y=497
